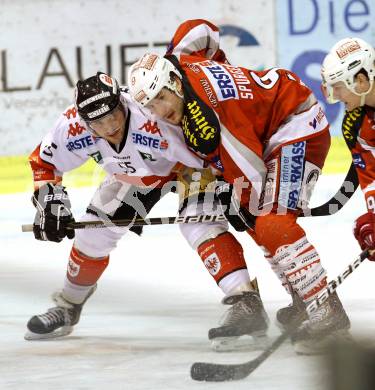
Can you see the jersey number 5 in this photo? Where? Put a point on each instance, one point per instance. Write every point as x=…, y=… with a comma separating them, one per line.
x=127, y=167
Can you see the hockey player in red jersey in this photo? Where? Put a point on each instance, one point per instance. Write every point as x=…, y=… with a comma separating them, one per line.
x=267, y=136
x=348, y=74
x=139, y=154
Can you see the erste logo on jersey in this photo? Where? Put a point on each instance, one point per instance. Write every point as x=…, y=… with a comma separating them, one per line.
x=81, y=143
x=220, y=79
x=155, y=143
x=229, y=82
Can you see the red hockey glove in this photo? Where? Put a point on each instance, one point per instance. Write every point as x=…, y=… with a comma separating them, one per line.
x=364, y=232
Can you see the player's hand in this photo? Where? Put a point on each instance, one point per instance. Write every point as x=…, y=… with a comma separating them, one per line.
x=53, y=213
x=364, y=232
x=239, y=217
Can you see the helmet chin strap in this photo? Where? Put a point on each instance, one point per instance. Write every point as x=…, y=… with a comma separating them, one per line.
x=175, y=90
x=363, y=94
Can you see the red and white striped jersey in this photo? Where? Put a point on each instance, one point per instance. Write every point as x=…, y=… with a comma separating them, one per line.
x=234, y=117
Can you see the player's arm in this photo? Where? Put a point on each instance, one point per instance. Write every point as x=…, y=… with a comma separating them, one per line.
x=197, y=37
x=364, y=160
x=48, y=162
x=243, y=155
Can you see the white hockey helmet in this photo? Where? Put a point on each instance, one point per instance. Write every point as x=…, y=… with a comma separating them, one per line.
x=149, y=75
x=346, y=58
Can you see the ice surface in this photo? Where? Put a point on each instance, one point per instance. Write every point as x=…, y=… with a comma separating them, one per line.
x=148, y=321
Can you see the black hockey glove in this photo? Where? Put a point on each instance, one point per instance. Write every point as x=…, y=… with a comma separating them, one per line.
x=53, y=213
x=239, y=217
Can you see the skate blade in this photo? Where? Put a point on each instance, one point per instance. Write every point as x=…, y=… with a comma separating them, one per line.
x=254, y=342
x=63, y=331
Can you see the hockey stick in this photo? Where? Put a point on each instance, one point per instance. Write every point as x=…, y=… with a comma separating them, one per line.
x=336, y=203
x=212, y=372
x=138, y=222
x=330, y=207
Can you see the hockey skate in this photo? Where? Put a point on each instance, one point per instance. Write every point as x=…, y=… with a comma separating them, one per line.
x=328, y=324
x=245, y=317
x=58, y=321
x=286, y=316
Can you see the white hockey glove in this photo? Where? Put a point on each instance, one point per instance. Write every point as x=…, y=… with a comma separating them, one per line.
x=53, y=213
x=239, y=217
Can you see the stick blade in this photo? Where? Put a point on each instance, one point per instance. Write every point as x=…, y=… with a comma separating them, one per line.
x=211, y=372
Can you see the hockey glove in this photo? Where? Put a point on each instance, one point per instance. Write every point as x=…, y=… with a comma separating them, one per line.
x=53, y=213
x=364, y=232
x=239, y=217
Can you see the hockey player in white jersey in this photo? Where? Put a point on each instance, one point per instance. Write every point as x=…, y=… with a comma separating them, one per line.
x=140, y=157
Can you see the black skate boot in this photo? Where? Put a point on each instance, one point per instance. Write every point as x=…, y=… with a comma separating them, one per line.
x=286, y=316
x=58, y=321
x=328, y=324
x=246, y=317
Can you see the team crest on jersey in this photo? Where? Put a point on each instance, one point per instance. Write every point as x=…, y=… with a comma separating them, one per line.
x=212, y=263
x=73, y=268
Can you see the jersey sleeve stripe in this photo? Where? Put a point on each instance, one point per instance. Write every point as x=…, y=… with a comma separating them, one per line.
x=250, y=164
x=287, y=132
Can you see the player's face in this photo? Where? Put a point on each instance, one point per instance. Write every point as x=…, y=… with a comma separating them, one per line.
x=168, y=106
x=111, y=127
x=340, y=92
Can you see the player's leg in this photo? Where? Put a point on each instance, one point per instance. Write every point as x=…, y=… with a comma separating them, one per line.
x=89, y=256
x=291, y=255
x=223, y=257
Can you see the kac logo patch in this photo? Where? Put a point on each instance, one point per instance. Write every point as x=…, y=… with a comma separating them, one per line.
x=212, y=264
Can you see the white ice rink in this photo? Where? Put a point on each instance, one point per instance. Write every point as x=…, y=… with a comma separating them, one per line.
x=148, y=321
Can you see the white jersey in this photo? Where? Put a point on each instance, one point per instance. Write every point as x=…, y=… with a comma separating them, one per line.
x=150, y=147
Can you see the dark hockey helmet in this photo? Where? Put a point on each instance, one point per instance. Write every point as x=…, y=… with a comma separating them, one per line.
x=96, y=96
